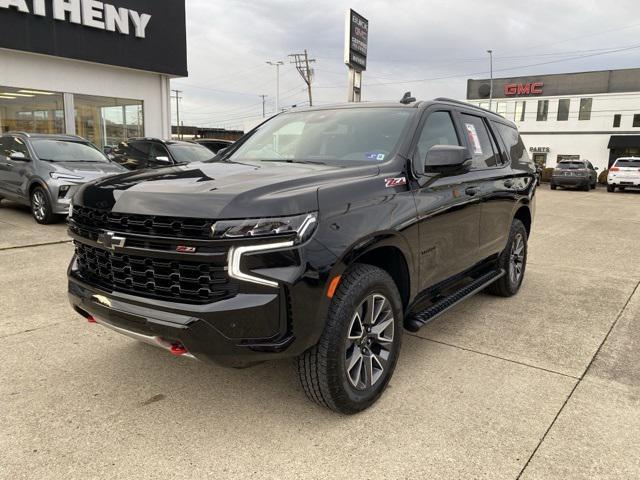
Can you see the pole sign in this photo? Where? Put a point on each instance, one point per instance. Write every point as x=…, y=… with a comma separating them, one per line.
x=356, y=41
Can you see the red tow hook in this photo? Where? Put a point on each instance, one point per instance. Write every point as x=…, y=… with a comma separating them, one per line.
x=177, y=349
x=90, y=319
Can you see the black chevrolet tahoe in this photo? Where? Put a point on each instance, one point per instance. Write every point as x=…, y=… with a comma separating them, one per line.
x=322, y=234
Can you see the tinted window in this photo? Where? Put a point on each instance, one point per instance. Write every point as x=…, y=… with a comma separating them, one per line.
x=479, y=142
x=66, y=151
x=187, y=153
x=513, y=142
x=628, y=163
x=585, y=109
x=437, y=130
x=158, y=150
x=543, y=110
x=616, y=120
x=563, y=109
x=136, y=149
x=570, y=165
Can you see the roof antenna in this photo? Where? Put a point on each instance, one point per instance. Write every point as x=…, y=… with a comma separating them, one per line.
x=407, y=99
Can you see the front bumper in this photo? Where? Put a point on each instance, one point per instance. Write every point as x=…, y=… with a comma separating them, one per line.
x=257, y=324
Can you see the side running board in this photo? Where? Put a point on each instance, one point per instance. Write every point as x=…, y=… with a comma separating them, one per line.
x=420, y=319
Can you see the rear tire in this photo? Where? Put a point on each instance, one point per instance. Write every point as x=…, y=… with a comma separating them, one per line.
x=351, y=365
x=513, y=260
x=41, y=207
x=611, y=188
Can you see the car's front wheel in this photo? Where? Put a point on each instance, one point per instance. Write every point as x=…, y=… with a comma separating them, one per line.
x=352, y=364
x=41, y=206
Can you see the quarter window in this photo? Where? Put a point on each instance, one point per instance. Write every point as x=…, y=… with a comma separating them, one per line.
x=511, y=138
x=479, y=142
x=563, y=109
x=437, y=130
x=543, y=110
x=585, y=108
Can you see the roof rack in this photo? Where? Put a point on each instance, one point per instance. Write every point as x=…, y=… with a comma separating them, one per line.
x=466, y=104
x=17, y=132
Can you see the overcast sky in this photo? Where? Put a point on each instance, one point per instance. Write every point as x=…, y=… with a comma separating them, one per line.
x=427, y=47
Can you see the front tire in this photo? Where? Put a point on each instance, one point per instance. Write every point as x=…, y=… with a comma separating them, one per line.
x=513, y=260
x=352, y=364
x=41, y=207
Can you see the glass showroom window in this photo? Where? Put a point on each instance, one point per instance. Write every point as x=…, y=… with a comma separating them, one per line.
x=108, y=121
x=30, y=110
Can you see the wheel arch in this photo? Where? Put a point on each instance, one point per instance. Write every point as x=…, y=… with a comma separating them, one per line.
x=523, y=213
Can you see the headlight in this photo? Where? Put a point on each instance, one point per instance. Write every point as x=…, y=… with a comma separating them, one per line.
x=64, y=176
x=302, y=226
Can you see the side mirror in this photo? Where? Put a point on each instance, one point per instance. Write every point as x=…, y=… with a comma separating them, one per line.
x=445, y=159
x=163, y=160
x=18, y=156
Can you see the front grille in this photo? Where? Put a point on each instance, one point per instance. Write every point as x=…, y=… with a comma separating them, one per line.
x=164, y=279
x=153, y=225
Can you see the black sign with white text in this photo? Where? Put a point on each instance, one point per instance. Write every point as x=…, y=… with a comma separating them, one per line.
x=356, y=41
x=141, y=34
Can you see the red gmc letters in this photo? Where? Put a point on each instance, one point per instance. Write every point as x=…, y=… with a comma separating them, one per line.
x=534, y=88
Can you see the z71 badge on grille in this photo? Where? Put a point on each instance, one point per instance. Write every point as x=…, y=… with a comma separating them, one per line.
x=111, y=241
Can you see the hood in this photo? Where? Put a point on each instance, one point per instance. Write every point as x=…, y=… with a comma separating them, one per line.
x=218, y=190
x=87, y=170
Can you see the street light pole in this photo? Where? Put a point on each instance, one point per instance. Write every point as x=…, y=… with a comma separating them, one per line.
x=277, y=64
x=490, y=52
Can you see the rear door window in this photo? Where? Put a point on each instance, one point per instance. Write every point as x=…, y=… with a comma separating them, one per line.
x=479, y=142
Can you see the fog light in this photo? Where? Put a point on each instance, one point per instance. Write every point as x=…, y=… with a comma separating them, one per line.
x=63, y=190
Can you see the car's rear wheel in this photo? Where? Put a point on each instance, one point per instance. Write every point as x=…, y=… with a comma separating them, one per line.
x=513, y=260
x=352, y=364
x=41, y=206
x=611, y=188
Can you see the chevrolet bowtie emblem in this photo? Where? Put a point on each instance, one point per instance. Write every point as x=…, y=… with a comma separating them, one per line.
x=110, y=240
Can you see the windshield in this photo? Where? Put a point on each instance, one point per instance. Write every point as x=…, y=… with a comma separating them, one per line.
x=67, y=151
x=570, y=165
x=349, y=136
x=187, y=153
x=628, y=163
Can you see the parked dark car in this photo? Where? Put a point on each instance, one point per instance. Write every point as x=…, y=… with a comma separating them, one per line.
x=140, y=153
x=321, y=235
x=213, y=144
x=576, y=174
x=44, y=171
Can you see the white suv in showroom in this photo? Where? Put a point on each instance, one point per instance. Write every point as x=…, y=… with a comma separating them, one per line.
x=625, y=173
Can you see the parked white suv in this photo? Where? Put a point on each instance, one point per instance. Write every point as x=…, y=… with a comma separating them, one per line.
x=625, y=173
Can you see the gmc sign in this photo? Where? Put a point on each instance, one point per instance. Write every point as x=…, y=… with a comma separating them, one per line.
x=534, y=88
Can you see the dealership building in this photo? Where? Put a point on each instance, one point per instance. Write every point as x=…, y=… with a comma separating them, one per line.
x=100, y=70
x=588, y=115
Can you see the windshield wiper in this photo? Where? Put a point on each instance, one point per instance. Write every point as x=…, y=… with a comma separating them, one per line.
x=284, y=160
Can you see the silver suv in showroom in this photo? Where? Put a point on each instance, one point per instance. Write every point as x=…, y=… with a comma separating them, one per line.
x=44, y=171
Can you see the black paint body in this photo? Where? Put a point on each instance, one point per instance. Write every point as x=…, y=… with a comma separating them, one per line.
x=427, y=233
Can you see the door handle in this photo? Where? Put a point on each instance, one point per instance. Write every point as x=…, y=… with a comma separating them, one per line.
x=472, y=191
x=508, y=183
x=7, y=164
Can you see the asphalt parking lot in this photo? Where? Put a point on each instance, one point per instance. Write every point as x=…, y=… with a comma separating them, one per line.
x=543, y=385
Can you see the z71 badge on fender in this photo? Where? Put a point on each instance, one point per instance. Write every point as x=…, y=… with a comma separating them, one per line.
x=395, y=182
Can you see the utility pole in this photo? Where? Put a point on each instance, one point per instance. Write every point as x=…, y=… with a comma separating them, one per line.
x=490, y=52
x=263, y=97
x=277, y=64
x=302, y=61
x=178, y=98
